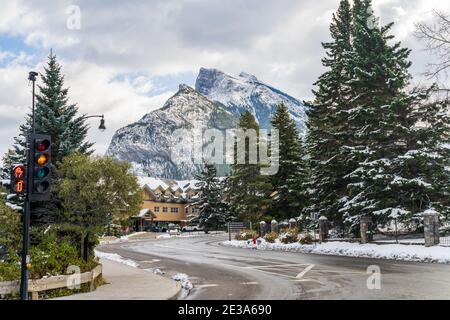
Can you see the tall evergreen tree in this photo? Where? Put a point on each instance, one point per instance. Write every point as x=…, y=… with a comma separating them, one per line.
x=290, y=198
x=248, y=191
x=397, y=174
x=214, y=212
x=54, y=115
x=327, y=121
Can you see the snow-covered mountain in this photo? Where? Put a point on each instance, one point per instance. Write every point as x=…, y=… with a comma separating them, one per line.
x=148, y=143
x=217, y=102
x=246, y=92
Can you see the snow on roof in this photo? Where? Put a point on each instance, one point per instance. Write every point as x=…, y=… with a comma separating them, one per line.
x=164, y=184
x=152, y=183
x=143, y=212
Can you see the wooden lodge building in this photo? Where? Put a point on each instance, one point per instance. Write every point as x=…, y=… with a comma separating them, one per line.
x=165, y=202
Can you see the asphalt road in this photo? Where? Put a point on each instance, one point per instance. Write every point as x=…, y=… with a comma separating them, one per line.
x=220, y=272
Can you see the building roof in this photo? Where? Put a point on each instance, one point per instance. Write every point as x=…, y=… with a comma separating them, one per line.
x=145, y=213
x=165, y=184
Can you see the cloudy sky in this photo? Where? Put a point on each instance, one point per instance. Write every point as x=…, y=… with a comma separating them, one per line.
x=125, y=58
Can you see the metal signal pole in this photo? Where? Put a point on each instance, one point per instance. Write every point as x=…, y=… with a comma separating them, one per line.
x=26, y=215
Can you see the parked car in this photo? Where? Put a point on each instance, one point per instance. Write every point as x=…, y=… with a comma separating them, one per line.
x=173, y=226
x=192, y=228
x=153, y=229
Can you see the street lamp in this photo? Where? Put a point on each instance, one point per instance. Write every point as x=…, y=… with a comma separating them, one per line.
x=102, y=121
x=25, y=258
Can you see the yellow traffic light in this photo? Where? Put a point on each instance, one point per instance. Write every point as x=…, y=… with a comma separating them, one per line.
x=42, y=159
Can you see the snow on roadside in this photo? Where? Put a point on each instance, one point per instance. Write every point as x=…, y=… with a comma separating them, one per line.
x=164, y=236
x=186, y=285
x=389, y=251
x=132, y=235
x=190, y=235
x=180, y=277
x=115, y=257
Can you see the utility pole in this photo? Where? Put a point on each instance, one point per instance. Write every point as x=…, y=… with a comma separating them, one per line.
x=26, y=214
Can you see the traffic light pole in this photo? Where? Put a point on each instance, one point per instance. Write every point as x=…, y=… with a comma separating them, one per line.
x=27, y=212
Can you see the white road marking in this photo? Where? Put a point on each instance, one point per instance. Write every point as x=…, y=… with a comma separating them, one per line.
x=206, y=285
x=169, y=247
x=307, y=280
x=249, y=283
x=277, y=274
x=301, y=274
x=278, y=265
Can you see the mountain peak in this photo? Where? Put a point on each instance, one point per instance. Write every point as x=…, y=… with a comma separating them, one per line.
x=248, y=76
x=246, y=93
x=207, y=79
x=185, y=88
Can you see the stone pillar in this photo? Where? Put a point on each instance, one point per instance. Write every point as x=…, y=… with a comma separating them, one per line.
x=323, y=228
x=365, y=229
x=262, y=229
x=431, y=228
x=274, y=226
x=292, y=223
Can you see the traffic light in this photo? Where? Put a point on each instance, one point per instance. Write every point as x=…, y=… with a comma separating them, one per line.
x=41, y=161
x=18, y=178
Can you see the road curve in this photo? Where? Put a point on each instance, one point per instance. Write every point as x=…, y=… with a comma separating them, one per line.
x=221, y=273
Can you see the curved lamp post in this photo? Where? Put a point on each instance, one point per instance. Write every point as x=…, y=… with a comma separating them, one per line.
x=102, y=121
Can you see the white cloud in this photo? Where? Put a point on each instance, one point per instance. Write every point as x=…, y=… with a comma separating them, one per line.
x=113, y=62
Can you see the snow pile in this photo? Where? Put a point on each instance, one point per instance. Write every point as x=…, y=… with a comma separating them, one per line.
x=115, y=257
x=110, y=240
x=388, y=251
x=180, y=277
x=190, y=234
x=130, y=236
x=155, y=271
x=186, y=285
x=158, y=271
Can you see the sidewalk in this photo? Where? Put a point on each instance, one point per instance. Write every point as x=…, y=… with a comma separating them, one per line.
x=128, y=283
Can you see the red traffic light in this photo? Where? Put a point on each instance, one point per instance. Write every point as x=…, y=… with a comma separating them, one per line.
x=19, y=187
x=42, y=145
x=19, y=172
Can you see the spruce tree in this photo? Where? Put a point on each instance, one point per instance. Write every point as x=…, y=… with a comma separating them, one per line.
x=54, y=115
x=248, y=191
x=214, y=212
x=327, y=122
x=395, y=143
x=289, y=199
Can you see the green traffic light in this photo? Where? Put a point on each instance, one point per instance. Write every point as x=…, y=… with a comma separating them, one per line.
x=42, y=173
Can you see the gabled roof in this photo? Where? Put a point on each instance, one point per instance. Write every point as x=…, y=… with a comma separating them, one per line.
x=146, y=213
x=165, y=184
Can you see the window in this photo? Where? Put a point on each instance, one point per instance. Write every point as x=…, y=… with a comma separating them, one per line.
x=186, y=210
x=156, y=209
x=174, y=210
x=165, y=209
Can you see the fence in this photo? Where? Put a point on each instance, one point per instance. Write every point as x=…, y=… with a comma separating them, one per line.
x=236, y=227
x=445, y=240
x=57, y=282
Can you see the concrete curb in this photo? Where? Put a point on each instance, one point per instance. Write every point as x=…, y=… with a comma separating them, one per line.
x=177, y=295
